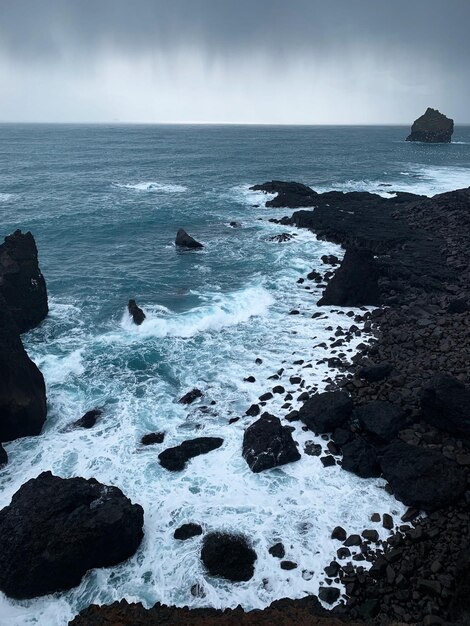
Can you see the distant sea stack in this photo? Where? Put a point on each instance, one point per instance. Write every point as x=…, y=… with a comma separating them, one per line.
x=432, y=127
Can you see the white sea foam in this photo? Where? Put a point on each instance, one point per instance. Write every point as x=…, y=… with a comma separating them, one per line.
x=6, y=197
x=152, y=186
x=221, y=310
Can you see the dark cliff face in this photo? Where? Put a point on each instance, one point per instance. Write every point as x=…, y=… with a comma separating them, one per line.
x=21, y=281
x=23, y=404
x=432, y=127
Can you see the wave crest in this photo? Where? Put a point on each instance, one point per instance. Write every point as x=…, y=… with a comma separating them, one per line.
x=152, y=187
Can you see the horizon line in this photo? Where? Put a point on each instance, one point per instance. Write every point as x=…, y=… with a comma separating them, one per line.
x=185, y=123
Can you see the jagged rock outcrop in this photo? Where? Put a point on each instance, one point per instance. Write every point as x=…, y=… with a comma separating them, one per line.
x=56, y=529
x=289, y=194
x=432, y=127
x=228, y=556
x=268, y=444
x=355, y=282
x=175, y=459
x=23, y=405
x=21, y=282
x=89, y=419
x=186, y=241
x=138, y=316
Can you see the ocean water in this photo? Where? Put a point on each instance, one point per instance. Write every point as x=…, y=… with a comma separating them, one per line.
x=104, y=203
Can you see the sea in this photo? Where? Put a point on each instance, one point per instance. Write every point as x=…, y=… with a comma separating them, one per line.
x=104, y=203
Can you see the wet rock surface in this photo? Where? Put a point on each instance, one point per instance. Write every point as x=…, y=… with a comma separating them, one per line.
x=268, y=444
x=175, y=459
x=138, y=316
x=289, y=194
x=184, y=240
x=22, y=284
x=56, y=529
x=228, y=556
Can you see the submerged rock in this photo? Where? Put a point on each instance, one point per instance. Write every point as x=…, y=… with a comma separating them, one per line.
x=228, y=556
x=21, y=281
x=289, y=194
x=89, y=419
x=355, y=282
x=445, y=404
x=432, y=127
x=422, y=478
x=175, y=459
x=268, y=444
x=324, y=412
x=189, y=397
x=187, y=531
x=138, y=316
x=56, y=529
x=186, y=241
x=23, y=405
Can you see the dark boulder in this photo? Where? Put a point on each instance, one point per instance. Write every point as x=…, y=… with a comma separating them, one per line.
x=23, y=406
x=381, y=420
x=21, y=282
x=289, y=194
x=445, y=404
x=253, y=411
x=189, y=397
x=56, y=529
x=329, y=594
x=89, y=419
x=268, y=444
x=360, y=458
x=135, y=312
x=187, y=531
x=175, y=459
x=228, y=556
x=330, y=259
x=355, y=282
x=151, y=438
x=3, y=456
x=458, y=305
x=324, y=412
x=422, y=478
x=375, y=373
x=432, y=127
x=277, y=550
x=186, y=241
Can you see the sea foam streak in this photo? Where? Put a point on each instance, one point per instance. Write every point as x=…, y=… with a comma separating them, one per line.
x=152, y=186
x=6, y=197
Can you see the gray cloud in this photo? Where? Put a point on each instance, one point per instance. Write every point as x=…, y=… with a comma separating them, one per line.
x=419, y=46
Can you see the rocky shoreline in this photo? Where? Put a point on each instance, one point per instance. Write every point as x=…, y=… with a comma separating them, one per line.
x=401, y=409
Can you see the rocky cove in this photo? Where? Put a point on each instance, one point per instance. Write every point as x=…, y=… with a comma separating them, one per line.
x=400, y=409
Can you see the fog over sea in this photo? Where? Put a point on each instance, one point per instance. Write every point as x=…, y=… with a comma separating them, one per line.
x=104, y=204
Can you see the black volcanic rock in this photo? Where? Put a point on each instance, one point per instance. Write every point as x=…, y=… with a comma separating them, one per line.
x=187, y=531
x=445, y=404
x=360, y=458
x=56, y=529
x=375, y=373
x=228, y=556
x=135, y=312
x=422, y=478
x=324, y=412
x=23, y=405
x=89, y=419
x=152, y=438
x=191, y=396
x=268, y=444
x=381, y=420
x=355, y=282
x=432, y=127
x=3, y=456
x=186, y=241
x=289, y=194
x=21, y=282
x=175, y=459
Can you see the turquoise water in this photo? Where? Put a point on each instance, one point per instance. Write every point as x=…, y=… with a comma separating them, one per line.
x=104, y=203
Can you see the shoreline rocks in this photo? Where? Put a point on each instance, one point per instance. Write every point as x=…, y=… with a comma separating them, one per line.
x=55, y=530
x=228, y=556
x=268, y=444
x=432, y=127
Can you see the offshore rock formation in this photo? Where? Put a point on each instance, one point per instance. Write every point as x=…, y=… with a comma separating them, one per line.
x=56, y=529
x=23, y=405
x=138, y=316
x=21, y=283
x=268, y=444
x=290, y=195
x=228, y=556
x=186, y=241
x=432, y=127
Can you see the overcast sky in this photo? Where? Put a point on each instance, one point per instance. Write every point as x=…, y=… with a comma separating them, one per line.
x=247, y=61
